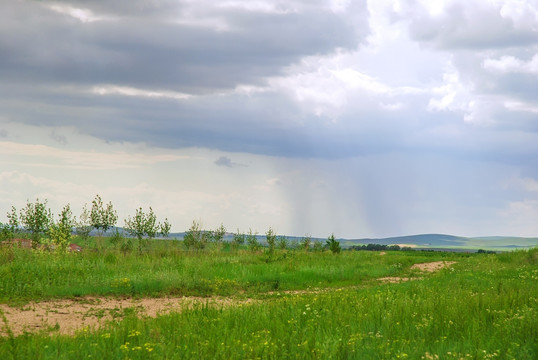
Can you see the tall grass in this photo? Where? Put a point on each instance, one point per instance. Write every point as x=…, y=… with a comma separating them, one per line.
x=484, y=307
x=32, y=275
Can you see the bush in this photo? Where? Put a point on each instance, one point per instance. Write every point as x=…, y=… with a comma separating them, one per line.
x=305, y=242
x=252, y=241
x=333, y=245
x=271, y=240
x=238, y=240
x=283, y=242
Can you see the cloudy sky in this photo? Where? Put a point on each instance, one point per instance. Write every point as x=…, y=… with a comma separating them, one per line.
x=364, y=118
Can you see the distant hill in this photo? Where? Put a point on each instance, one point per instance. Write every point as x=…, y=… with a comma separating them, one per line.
x=426, y=241
x=422, y=240
x=451, y=241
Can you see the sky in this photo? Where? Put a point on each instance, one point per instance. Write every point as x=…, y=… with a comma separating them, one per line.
x=369, y=118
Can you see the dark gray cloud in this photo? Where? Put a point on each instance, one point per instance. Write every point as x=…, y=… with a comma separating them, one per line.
x=51, y=61
x=225, y=161
x=58, y=138
x=43, y=46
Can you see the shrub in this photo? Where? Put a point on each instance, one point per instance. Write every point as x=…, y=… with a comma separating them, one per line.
x=318, y=246
x=271, y=240
x=252, y=241
x=195, y=238
x=283, y=242
x=238, y=240
x=305, y=243
x=333, y=245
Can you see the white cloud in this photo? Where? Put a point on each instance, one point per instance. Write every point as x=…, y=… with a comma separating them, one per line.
x=521, y=106
x=511, y=64
x=453, y=94
x=519, y=217
x=523, y=13
x=268, y=7
x=130, y=91
x=47, y=156
x=83, y=15
x=526, y=183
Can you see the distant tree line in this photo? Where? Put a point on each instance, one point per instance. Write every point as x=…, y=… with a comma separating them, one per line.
x=37, y=222
x=379, y=247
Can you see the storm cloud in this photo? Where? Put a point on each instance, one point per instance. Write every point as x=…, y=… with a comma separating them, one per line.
x=304, y=87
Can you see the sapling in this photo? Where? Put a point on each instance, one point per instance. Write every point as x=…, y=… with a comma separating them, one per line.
x=283, y=242
x=333, y=245
x=60, y=232
x=36, y=218
x=83, y=226
x=270, y=237
x=238, y=240
x=252, y=241
x=306, y=242
x=165, y=228
x=102, y=218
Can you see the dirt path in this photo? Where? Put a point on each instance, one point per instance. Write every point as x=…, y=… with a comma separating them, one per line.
x=432, y=266
x=70, y=316
x=428, y=267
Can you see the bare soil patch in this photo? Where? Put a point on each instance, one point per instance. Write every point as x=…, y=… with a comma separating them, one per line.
x=423, y=267
x=395, y=279
x=69, y=316
x=432, y=266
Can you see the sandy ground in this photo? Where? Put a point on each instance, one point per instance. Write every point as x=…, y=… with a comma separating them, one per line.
x=432, y=266
x=70, y=316
x=428, y=267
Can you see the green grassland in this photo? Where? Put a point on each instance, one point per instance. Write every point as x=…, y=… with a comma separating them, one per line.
x=27, y=275
x=485, y=306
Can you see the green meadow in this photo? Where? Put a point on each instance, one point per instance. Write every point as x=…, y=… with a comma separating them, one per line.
x=304, y=305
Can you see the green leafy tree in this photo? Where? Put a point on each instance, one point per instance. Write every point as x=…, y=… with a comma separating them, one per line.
x=36, y=218
x=13, y=221
x=270, y=237
x=5, y=232
x=83, y=226
x=333, y=245
x=151, y=224
x=217, y=236
x=318, y=246
x=195, y=237
x=102, y=217
x=8, y=230
x=165, y=228
x=238, y=240
x=305, y=243
x=252, y=241
x=60, y=232
x=283, y=242
x=142, y=226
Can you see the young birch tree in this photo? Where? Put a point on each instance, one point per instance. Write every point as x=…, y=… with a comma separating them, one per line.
x=36, y=218
x=102, y=218
x=142, y=226
x=60, y=232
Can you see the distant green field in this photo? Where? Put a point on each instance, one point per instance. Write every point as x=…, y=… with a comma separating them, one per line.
x=436, y=241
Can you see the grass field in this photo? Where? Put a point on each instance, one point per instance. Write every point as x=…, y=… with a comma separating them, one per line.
x=301, y=305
